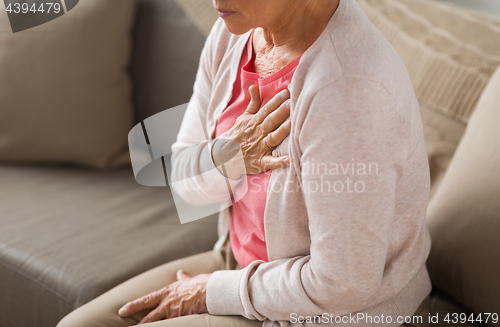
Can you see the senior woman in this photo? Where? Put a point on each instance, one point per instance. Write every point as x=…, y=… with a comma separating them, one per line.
x=331, y=227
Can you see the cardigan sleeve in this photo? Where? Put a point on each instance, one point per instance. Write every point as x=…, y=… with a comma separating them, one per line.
x=194, y=175
x=352, y=120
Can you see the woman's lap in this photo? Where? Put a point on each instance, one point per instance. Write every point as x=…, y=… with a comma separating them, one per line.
x=206, y=320
x=103, y=311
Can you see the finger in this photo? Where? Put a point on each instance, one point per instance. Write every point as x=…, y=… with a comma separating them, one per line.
x=275, y=138
x=276, y=118
x=149, y=301
x=155, y=315
x=269, y=162
x=181, y=275
x=272, y=105
x=254, y=104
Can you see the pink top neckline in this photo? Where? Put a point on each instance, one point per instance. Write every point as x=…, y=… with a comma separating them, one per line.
x=248, y=70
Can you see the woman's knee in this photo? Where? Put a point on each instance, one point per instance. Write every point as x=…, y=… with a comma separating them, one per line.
x=103, y=311
x=73, y=319
x=96, y=313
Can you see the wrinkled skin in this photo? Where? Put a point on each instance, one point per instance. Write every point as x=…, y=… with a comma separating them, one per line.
x=255, y=132
x=186, y=296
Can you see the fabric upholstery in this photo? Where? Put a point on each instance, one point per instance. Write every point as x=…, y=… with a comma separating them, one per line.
x=68, y=235
x=202, y=12
x=442, y=136
x=167, y=48
x=464, y=214
x=485, y=7
x=447, y=50
x=450, y=56
x=443, y=307
x=65, y=89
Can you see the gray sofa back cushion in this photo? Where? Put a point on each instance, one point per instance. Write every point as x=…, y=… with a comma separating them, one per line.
x=165, y=59
x=65, y=92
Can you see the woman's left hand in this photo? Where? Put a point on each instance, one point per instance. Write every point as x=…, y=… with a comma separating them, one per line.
x=185, y=297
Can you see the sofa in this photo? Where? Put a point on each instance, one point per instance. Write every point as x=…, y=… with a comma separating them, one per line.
x=73, y=227
x=74, y=222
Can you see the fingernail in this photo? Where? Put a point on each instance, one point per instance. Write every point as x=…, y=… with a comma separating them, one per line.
x=285, y=160
x=122, y=311
x=288, y=104
x=285, y=94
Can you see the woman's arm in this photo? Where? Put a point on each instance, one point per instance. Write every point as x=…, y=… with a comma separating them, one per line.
x=194, y=177
x=350, y=232
x=259, y=129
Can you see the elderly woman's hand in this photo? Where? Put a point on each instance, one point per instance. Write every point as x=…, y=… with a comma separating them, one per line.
x=256, y=132
x=185, y=297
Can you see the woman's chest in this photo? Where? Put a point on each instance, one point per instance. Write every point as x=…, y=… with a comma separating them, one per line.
x=266, y=65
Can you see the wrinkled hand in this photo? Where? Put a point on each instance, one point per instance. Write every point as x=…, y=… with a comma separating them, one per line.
x=185, y=297
x=255, y=132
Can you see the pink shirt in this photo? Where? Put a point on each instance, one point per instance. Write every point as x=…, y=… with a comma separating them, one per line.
x=246, y=232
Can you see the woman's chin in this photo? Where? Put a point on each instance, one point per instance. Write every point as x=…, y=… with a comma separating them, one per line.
x=235, y=27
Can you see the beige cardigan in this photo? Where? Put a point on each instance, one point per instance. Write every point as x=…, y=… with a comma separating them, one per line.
x=341, y=241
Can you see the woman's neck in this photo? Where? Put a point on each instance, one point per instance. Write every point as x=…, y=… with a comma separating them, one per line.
x=285, y=39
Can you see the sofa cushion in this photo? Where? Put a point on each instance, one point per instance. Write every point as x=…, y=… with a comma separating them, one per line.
x=442, y=136
x=65, y=87
x=202, y=12
x=450, y=55
x=167, y=48
x=446, y=312
x=464, y=214
x=485, y=7
x=67, y=235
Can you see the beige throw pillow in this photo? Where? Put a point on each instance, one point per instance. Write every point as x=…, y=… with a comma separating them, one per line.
x=202, y=12
x=65, y=92
x=450, y=54
x=464, y=214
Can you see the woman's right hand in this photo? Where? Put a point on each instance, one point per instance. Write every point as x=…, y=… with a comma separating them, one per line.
x=256, y=132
